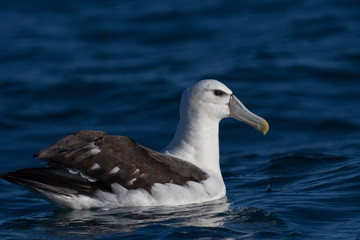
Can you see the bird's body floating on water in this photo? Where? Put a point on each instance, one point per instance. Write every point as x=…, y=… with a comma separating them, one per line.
x=91, y=169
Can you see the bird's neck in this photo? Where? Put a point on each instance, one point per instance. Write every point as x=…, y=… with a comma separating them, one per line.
x=197, y=141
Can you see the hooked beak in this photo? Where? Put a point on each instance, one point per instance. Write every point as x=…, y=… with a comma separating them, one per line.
x=241, y=113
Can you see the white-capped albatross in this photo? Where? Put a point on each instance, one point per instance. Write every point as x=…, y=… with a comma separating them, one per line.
x=91, y=169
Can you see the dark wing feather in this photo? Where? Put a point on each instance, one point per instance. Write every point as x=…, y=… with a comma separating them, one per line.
x=117, y=159
x=55, y=180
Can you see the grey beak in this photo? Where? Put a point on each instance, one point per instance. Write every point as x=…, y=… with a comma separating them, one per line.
x=241, y=113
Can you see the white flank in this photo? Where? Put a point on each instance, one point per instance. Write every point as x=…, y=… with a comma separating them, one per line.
x=161, y=195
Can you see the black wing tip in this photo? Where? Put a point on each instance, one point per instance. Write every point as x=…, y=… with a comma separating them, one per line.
x=19, y=177
x=13, y=177
x=5, y=176
x=45, y=179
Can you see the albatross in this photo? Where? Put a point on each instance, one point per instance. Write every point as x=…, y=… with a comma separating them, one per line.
x=91, y=169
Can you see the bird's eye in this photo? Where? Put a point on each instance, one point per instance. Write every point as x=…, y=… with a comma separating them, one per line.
x=218, y=92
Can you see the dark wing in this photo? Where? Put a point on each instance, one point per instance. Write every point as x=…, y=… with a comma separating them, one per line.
x=99, y=159
x=55, y=180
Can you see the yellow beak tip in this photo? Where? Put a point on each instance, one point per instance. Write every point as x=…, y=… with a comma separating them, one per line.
x=265, y=125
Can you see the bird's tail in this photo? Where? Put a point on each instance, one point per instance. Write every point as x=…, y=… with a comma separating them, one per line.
x=53, y=180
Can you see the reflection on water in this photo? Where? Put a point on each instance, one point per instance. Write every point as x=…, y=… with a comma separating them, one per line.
x=211, y=214
x=91, y=223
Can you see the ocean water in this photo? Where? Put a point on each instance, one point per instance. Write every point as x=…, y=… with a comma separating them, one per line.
x=121, y=66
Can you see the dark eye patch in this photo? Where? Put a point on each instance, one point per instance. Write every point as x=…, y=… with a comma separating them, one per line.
x=218, y=92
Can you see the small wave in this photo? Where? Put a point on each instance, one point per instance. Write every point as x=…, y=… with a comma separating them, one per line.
x=299, y=162
x=337, y=125
x=256, y=215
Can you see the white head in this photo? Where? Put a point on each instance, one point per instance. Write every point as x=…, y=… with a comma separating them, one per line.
x=211, y=99
x=202, y=107
x=207, y=98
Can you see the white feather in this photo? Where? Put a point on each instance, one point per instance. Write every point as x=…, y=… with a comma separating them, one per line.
x=161, y=195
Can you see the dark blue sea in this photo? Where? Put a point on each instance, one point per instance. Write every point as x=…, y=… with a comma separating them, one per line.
x=121, y=66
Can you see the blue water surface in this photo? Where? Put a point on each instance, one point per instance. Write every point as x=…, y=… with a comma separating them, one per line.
x=120, y=66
